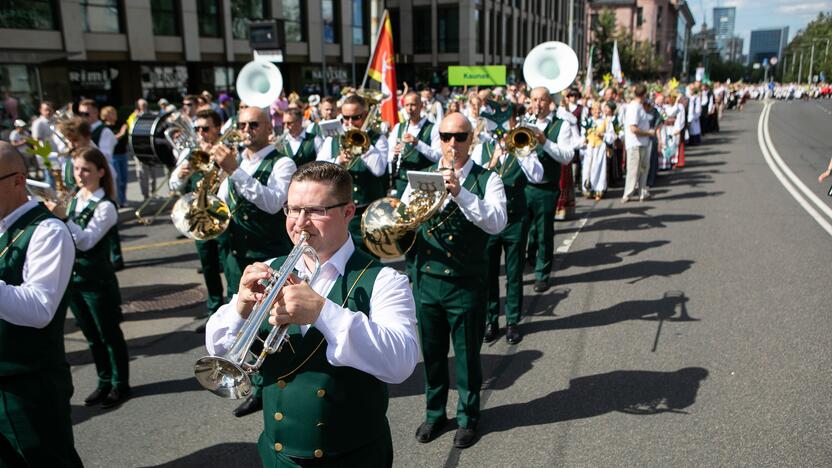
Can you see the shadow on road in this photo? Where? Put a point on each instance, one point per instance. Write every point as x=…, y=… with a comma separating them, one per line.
x=682, y=196
x=632, y=223
x=153, y=261
x=174, y=342
x=229, y=454
x=83, y=413
x=626, y=391
x=521, y=362
x=637, y=271
x=605, y=253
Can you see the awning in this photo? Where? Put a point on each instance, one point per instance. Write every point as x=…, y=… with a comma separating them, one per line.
x=32, y=56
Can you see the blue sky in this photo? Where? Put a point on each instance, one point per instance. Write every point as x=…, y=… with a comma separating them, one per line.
x=762, y=14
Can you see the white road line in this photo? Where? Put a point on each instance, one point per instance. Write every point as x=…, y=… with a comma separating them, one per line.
x=784, y=174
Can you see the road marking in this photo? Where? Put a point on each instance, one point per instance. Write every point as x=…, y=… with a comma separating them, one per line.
x=785, y=175
x=156, y=245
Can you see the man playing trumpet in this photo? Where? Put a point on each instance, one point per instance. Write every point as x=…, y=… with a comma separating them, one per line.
x=351, y=331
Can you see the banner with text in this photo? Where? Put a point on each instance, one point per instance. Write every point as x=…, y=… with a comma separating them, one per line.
x=490, y=75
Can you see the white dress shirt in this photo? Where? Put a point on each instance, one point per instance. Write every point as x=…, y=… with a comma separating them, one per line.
x=294, y=143
x=269, y=198
x=375, y=158
x=103, y=219
x=382, y=343
x=432, y=151
x=50, y=258
x=563, y=151
x=530, y=165
x=487, y=213
x=107, y=143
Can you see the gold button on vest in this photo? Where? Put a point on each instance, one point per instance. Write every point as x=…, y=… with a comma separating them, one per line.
x=319, y=453
x=278, y=447
x=278, y=416
x=321, y=392
x=281, y=384
x=245, y=217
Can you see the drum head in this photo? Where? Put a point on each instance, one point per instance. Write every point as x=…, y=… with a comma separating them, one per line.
x=147, y=140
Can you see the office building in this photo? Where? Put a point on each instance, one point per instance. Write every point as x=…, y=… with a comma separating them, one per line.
x=767, y=43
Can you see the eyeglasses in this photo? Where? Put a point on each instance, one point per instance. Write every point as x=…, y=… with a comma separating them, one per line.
x=352, y=117
x=199, y=128
x=9, y=175
x=187, y=104
x=458, y=136
x=313, y=212
x=252, y=125
x=84, y=114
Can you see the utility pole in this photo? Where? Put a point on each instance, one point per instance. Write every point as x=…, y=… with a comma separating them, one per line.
x=800, y=68
x=811, y=63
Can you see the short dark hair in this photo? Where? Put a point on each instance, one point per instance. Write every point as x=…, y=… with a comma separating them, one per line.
x=336, y=176
x=88, y=103
x=210, y=114
x=640, y=90
x=330, y=100
x=294, y=112
x=75, y=127
x=190, y=97
x=355, y=99
x=48, y=103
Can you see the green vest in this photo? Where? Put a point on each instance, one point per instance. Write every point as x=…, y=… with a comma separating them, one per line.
x=312, y=406
x=253, y=233
x=306, y=153
x=94, y=267
x=514, y=182
x=551, y=168
x=96, y=134
x=315, y=130
x=411, y=159
x=27, y=349
x=68, y=175
x=366, y=187
x=450, y=245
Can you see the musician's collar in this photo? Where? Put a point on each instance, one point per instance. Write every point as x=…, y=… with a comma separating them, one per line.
x=12, y=217
x=259, y=155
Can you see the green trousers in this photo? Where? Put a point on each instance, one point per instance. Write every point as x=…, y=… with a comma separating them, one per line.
x=512, y=241
x=97, y=311
x=451, y=308
x=375, y=455
x=210, y=254
x=541, y=235
x=35, y=424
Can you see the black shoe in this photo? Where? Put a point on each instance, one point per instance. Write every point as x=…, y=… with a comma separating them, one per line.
x=199, y=270
x=492, y=331
x=97, y=396
x=513, y=335
x=252, y=404
x=116, y=397
x=428, y=431
x=465, y=437
x=541, y=286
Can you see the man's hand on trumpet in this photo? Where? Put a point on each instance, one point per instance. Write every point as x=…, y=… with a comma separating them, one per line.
x=225, y=157
x=251, y=291
x=297, y=303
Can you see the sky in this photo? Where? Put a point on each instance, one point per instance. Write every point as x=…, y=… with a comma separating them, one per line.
x=761, y=14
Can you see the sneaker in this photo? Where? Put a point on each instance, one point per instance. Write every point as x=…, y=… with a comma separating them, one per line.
x=625, y=199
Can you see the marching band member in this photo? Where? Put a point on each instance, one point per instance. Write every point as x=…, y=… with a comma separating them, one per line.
x=351, y=331
x=94, y=298
x=450, y=274
x=554, y=148
x=255, y=191
x=298, y=144
x=36, y=258
x=328, y=109
x=431, y=108
x=368, y=171
x=214, y=251
x=413, y=144
x=515, y=172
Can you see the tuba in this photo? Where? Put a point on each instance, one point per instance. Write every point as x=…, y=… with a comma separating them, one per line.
x=259, y=83
x=229, y=375
x=552, y=65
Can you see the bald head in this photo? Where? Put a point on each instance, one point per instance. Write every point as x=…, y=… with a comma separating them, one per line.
x=541, y=102
x=13, y=175
x=457, y=125
x=10, y=159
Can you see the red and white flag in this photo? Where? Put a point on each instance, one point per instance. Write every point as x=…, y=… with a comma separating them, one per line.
x=382, y=68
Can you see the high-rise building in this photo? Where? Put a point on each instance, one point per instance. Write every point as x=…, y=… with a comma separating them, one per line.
x=724, y=19
x=767, y=43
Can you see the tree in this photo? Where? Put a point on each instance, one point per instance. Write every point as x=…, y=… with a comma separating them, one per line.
x=603, y=36
x=638, y=60
x=817, y=32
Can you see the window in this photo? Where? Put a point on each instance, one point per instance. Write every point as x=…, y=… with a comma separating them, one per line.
x=241, y=12
x=658, y=47
x=479, y=25
x=510, y=36
x=360, y=20
x=208, y=17
x=101, y=16
x=424, y=26
x=329, y=15
x=394, y=23
x=448, y=29
x=165, y=19
x=37, y=14
x=639, y=16
x=593, y=21
x=659, y=17
x=294, y=21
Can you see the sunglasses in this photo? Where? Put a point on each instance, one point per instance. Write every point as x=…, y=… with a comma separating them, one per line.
x=251, y=125
x=84, y=114
x=458, y=136
x=352, y=117
x=202, y=129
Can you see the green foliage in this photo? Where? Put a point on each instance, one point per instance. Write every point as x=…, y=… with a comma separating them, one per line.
x=638, y=59
x=817, y=32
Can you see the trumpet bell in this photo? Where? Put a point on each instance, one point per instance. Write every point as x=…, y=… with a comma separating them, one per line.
x=552, y=65
x=200, y=221
x=259, y=83
x=222, y=377
x=521, y=141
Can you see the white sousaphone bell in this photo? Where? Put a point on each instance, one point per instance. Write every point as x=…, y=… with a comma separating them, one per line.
x=259, y=83
x=552, y=65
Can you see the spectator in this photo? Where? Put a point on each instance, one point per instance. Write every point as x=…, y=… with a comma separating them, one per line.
x=110, y=117
x=637, y=135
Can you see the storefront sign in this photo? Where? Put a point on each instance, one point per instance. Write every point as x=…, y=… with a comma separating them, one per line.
x=93, y=78
x=490, y=75
x=164, y=77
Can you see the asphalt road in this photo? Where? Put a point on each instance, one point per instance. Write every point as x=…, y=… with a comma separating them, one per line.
x=688, y=330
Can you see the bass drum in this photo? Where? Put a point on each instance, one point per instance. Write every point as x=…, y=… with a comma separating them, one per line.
x=147, y=140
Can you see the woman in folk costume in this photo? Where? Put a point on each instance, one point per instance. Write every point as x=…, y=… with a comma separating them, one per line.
x=668, y=134
x=94, y=296
x=570, y=113
x=594, y=144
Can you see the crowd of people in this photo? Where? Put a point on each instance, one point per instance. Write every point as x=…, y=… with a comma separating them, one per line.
x=360, y=324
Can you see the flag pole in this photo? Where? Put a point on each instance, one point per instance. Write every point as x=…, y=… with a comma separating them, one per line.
x=373, y=50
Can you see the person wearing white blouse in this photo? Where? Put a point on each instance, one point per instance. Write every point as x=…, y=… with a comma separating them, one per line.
x=94, y=298
x=351, y=331
x=36, y=256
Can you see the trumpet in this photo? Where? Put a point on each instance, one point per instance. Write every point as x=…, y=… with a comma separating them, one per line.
x=520, y=141
x=356, y=141
x=229, y=375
